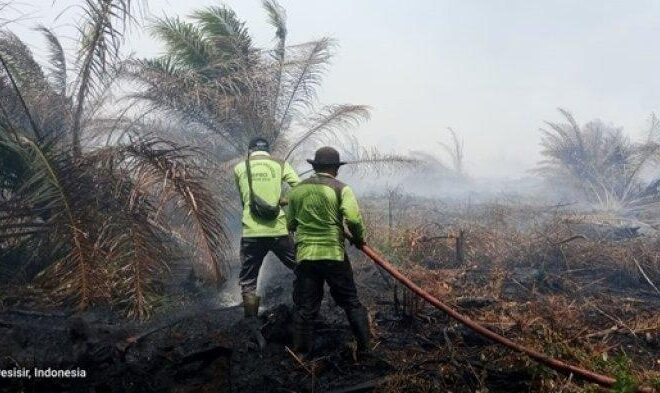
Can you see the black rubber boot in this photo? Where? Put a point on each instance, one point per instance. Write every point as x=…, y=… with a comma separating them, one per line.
x=250, y=304
x=359, y=321
x=303, y=337
x=251, y=310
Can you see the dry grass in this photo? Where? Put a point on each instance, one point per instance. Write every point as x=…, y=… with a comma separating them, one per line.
x=561, y=287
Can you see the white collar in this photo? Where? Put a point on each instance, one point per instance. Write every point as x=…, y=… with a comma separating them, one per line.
x=259, y=153
x=323, y=174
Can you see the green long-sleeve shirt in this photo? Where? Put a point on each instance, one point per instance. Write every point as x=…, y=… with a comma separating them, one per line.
x=267, y=177
x=314, y=215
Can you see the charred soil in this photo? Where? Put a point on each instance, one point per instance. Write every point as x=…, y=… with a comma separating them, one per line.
x=526, y=273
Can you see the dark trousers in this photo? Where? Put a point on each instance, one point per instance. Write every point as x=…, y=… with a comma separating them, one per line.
x=308, y=288
x=253, y=252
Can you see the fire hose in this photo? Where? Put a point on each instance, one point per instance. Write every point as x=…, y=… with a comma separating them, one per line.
x=554, y=364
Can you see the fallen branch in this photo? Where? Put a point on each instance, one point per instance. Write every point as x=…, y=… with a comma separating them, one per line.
x=619, y=330
x=645, y=276
x=603, y=333
x=300, y=361
x=570, y=239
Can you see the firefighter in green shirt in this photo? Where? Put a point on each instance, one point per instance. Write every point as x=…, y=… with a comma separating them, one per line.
x=318, y=209
x=260, y=184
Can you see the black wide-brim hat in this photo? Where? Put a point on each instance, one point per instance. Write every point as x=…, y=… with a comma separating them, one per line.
x=326, y=156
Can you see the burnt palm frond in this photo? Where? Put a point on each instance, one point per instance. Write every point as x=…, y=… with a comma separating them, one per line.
x=102, y=222
x=141, y=253
x=54, y=183
x=185, y=183
x=26, y=87
x=15, y=110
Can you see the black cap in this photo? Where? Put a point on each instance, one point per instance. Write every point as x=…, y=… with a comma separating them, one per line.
x=259, y=144
x=327, y=156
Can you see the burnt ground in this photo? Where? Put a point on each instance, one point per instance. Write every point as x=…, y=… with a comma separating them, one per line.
x=209, y=349
x=203, y=347
x=213, y=351
x=182, y=354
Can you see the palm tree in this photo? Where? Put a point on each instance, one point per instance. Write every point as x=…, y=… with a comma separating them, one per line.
x=600, y=161
x=455, y=150
x=214, y=78
x=93, y=223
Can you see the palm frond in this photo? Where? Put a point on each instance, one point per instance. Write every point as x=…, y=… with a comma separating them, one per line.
x=23, y=108
x=277, y=19
x=183, y=180
x=141, y=252
x=20, y=62
x=186, y=44
x=370, y=160
x=329, y=120
x=183, y=93
x=57, y=58
x=301, y=77
x=227, y=33
x=598, y=159
x=55, y=184
x=455, y=149
x=101, y=30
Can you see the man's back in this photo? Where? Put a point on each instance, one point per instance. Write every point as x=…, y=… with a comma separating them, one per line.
x=267, y=175
x=317, y=207
x=262, y=176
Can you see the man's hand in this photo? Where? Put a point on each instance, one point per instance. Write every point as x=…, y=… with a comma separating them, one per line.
x=284, y=201
x=358, y=243
x=353, y=240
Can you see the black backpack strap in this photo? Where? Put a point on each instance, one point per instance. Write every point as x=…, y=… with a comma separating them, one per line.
x=340, y=216
x=249, y=177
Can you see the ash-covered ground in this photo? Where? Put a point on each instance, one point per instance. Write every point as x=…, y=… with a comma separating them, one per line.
x=538, y=278
x=207, y=347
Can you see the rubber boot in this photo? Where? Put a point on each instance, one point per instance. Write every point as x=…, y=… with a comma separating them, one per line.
x=359, y=321
x=303, y=337
x=251, y=310
x=250, y=304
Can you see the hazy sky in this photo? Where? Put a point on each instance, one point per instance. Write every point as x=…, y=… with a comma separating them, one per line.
x=491, y=69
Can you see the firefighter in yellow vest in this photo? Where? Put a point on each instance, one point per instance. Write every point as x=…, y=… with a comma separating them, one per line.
x=318, y=209
x=259, y=180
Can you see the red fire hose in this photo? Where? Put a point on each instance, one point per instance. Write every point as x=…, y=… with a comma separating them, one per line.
x=554, y=364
